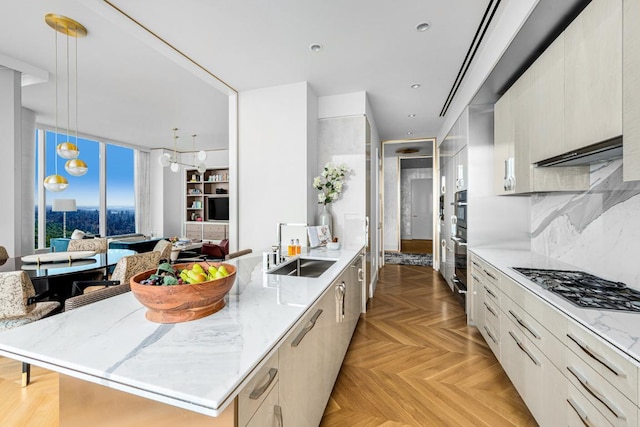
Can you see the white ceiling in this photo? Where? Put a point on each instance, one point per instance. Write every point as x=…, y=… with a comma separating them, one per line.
x=131, y=93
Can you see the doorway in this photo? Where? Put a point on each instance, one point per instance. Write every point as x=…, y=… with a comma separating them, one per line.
x=407, y=198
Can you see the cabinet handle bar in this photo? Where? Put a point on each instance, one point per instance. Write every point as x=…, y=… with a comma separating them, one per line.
x=583, y=415
x=595, y=393
x=524, y=324
x=524, y=349
x=305, y=331
x=256, y=393
x=598, y=358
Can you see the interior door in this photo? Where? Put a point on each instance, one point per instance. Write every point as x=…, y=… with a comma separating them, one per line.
x=421, y=209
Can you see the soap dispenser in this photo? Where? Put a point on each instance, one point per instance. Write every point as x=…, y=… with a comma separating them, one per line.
x=291, y=249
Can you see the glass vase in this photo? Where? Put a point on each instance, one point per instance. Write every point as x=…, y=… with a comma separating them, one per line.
x=325, y=218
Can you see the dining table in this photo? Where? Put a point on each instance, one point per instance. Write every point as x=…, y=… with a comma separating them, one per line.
x=57, y=277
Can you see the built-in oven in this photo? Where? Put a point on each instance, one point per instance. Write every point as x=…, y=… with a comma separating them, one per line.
x=460, y=246
x=460, y=205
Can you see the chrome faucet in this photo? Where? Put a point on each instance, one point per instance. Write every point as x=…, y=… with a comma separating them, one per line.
x=279, y=237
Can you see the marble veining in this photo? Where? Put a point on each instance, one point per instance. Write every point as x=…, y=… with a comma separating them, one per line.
x=198, y=365
x=618, y=328
x=596, y=230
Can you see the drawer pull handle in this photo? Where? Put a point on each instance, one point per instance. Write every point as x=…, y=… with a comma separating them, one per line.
x=524, y=349
x=277, y=410
x=524, y=325
x=305, y=331
x=597, y=357
x=256, y=393
x=489, y=291
x=583, y=415
x=490, y=275
x=490, y=335
x=490, y=310
x=476, y=264
x=595, y=393
x=475, y=278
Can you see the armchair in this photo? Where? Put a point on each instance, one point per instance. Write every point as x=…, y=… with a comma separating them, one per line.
x=213, y=251
x=126, y=268
x=164, y=248
x=20, y=305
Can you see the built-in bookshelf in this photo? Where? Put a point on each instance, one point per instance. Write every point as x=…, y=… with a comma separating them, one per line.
x=200, y=222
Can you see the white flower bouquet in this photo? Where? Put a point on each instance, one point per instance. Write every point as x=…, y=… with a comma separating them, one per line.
x=330, y=182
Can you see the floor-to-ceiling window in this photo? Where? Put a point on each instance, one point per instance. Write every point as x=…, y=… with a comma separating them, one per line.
x=120, y=191
x=86, y=190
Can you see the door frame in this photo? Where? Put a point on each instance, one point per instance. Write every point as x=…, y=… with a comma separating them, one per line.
x=429, y=140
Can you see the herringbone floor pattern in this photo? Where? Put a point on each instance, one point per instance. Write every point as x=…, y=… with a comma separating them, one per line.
x=413, y=361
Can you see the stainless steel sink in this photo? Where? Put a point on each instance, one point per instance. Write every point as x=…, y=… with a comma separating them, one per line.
x=303, y=268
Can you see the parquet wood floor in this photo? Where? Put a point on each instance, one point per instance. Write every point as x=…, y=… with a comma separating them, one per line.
x=413, y=361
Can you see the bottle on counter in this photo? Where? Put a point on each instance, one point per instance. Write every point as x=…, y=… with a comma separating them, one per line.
x=291, y=249
x=298, y=249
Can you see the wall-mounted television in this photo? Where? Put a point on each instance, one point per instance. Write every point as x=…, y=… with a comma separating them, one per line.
x=218, y=209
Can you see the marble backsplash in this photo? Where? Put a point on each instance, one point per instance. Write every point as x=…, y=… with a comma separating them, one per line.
x=597, y=230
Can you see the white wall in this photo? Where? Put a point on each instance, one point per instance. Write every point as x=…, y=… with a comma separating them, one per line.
x=346, y=104
x=167, y=197
x=273, y=134
x=391, y=237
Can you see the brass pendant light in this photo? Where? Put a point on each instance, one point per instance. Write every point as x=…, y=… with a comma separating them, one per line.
x=66, y=149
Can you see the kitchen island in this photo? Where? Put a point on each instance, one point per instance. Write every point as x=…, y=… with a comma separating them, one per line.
x=199, y=366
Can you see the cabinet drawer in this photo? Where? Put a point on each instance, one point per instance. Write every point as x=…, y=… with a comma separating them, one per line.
x=269, y=414
x=491, y=335
x=580, y=411
x=193, y=228
x=536, y=307
x=538, y=335
x=194, y=235
x=609, y=401
x=215, y=231
x=256, y=390
x=612, y=366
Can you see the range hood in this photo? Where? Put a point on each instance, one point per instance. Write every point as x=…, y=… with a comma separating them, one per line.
x=605, y=150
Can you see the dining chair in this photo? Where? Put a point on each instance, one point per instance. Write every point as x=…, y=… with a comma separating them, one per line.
x=97, y=244
x=3, y=253
x=164, y=247
x=19, y=305
x=125, y=269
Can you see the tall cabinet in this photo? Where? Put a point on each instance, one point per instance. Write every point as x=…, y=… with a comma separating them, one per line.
x=201, y=223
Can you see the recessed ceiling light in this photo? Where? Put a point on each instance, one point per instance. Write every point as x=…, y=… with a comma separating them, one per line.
x=415, y=86
x=315, y=47
x=423, y=26
x=411, y=116
x=409, y=133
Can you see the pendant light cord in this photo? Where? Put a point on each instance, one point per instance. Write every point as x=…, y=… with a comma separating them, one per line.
x=55, y=136
x=68, y=92
x=76, y=76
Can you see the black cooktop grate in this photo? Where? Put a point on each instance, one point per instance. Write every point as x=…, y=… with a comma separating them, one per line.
x=584, y=289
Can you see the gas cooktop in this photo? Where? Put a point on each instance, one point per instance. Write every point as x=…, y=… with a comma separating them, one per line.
x=584, y=289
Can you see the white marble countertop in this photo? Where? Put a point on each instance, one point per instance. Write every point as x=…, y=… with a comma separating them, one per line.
x=197, y=365
x=621, y=329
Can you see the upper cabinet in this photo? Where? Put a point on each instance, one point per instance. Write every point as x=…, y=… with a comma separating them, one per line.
x=593, y=75
x=631, y=85
x=571, y=97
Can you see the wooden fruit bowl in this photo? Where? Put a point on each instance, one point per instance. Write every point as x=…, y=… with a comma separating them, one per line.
x=182, y=303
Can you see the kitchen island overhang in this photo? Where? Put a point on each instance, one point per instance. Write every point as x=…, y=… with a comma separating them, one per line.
x=200, y=365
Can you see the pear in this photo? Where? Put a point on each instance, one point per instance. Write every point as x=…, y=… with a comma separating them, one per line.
x=223, y=270
x=197, y=268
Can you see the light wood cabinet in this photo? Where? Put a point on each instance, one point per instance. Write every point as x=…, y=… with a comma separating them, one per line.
x=631, y=92
x=514, y=172
x=593, y=75
x=303, y=362
x=547, y=103
x=263, y=388
x=565, y=374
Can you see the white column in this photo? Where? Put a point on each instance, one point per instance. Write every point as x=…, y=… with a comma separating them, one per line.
x=10, y=172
